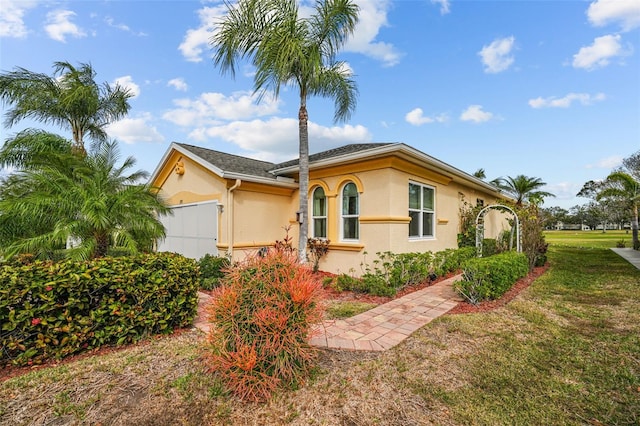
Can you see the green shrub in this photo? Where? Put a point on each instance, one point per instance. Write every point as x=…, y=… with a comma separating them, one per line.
x=377, y=285
x=489, y=247
x=390, y=272
x=451, y=260
x=51, y=310
x=212, y=270
x=488, y=278
x=345, y=282
x=262, y=317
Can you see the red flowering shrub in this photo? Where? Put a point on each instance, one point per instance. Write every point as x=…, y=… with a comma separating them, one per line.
x=262, y=317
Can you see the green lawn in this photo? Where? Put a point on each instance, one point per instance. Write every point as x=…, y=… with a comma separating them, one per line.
x=566, y=351
x=588, y=238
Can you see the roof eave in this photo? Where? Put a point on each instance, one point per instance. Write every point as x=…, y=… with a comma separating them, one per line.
x=256, y=179
x=340, y=158
x=450, y=169
x=396, y=147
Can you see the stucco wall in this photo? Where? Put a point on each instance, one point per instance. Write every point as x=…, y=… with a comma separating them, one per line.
x=259, y=218
x=384, y=216
x=260, y=211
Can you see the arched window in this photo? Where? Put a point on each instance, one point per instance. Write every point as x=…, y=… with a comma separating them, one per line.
x=350, y=212
x=319, y=213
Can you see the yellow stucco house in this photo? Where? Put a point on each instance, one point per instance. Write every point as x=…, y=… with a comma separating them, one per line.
x=371, y=197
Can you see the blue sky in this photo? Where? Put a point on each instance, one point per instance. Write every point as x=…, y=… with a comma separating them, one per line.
x=549, y=89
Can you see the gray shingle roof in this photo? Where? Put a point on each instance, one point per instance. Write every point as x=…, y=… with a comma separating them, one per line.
x=232, y=163
x=336, y=152
x=242, y=165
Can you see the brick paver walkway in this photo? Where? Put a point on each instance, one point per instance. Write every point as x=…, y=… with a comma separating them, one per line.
x=386, y=325
x=380, y=328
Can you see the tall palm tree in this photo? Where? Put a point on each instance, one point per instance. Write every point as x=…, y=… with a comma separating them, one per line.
x=523, y=188
x=70, y=99
x=623, y=185
x=290, y=50
x=90, y=200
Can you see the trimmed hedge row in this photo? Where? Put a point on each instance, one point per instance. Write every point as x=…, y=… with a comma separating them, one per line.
x=51, y=310
x=488, y=278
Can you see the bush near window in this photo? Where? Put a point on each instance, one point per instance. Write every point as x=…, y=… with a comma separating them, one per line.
x=212, y=269
x=488, y=278
x=391, y=272
x=261, y=318
x=51, y=310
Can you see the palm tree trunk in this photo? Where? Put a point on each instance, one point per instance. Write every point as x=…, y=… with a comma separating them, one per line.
x=634, y=228
x=303, y=210
x=102, y=245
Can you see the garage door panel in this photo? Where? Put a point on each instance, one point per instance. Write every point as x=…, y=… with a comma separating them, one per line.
x=191, y=231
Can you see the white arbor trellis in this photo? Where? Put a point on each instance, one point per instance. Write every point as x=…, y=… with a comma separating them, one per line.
x=480, y=228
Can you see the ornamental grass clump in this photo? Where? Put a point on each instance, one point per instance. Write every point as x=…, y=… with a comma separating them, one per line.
x=262, y=317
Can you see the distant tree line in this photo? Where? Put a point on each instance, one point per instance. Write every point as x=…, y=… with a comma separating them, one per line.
x=614, y=200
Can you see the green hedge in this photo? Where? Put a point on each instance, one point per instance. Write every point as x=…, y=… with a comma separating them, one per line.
x=51, y=310
x=488, y=278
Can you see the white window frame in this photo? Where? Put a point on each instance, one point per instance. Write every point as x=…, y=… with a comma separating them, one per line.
x=349, y=216
x=321, y=217
x=421, y=210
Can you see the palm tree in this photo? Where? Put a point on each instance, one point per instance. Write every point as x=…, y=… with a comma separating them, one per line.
x=31, y=148
x=480, y=173
x=623, y=185
x=70, y=99
x=89, y=200
x=290, y=50
x=523, y=188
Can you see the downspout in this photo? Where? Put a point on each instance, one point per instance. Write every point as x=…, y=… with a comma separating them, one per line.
x=230, y=203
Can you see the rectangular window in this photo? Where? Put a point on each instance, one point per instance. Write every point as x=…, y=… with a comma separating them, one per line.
x=421, y=210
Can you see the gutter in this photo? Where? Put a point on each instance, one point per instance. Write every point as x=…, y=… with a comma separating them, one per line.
x=230, y=204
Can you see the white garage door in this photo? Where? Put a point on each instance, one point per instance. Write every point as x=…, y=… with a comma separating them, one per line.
x=192, y=230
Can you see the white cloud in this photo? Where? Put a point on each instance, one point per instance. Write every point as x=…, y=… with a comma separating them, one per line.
x=122, y=27
x=607, y=163
x=624, y=12
x=416, y=117
x=372, y=17
x=127, y=83
x=476, y=114
x=599, y=53
x=445, y=6
x=496, y=57
x=276, y=139
x=210, y=108
x=566, y=101
x=134, y=130
x=197, y=40
x=563, y=190
x=59, y=25
x=178, y=84
x=12, y=17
